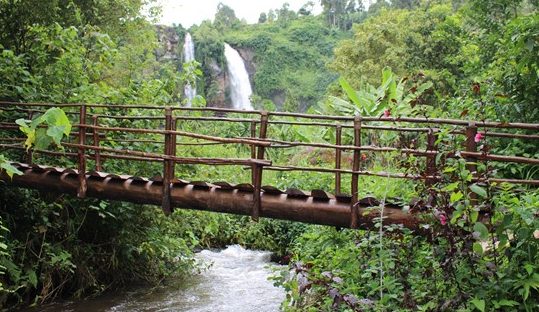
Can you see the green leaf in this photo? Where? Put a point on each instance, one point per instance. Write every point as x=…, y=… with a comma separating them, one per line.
x=478, y=190
x=350, y=91
x=42, y=139
x=56, y=133
x=10, y=170
x=57, y=117
x=479, y=304
x=474, y=214
x=477, y=248
x=505, y=303
x=32, y=278
x=481, y=229
x=451, y=187
x=456, y=196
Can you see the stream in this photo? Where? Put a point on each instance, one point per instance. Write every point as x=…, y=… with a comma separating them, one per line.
x=237, y=280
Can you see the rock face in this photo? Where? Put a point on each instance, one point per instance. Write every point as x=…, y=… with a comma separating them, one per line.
x=169, y=49
x=248, y=56
x=217, y=86
x=278, y=97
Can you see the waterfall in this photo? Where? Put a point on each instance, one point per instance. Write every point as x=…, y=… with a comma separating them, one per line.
x=240, y=86
x=189, y=56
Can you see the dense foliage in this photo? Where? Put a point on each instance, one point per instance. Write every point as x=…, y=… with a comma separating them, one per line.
x=490, y=44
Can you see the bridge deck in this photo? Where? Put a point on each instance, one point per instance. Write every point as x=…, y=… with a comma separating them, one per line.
x=316, y=207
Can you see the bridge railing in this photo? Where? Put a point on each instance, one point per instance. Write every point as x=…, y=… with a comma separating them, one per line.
x=93, y=128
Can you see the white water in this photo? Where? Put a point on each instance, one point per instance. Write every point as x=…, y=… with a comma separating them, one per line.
x=240, y=86
x=188, y=56
x=237, y=281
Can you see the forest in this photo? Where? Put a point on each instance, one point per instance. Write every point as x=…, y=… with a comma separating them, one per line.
x=455, y=59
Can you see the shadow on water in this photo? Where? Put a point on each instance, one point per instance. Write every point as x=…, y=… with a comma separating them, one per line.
x=236, y=281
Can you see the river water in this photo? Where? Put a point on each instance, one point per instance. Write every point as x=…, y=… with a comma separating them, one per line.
x=237, y=280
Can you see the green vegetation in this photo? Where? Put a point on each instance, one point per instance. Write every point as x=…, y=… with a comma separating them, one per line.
x=290, y=55
x=473, y=59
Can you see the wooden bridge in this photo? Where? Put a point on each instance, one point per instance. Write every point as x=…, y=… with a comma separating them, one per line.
x=100, y=130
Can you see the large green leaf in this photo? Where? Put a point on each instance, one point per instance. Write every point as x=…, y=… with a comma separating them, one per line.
x=350, y=91
x=8, y=168
x=479, y=304
x=57, y=124
x=481, y=229
x=478, y=190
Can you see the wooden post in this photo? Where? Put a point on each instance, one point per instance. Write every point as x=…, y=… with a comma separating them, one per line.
x=258, y=168
x=167, y=164
x=173, y=150
x=83, y=185
x=338, y=152
x=97, y=153
x=29, y=154
x=430, y=169
x=253, y=152
x=354, y=209
x=471, y=146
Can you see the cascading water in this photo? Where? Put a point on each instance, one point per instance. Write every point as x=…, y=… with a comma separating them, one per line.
x=240, y=86
x=236, y=281
x=189, y=56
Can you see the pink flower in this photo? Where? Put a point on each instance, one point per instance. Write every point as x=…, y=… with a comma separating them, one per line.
x=443, y=219
x=478, y=137
x=387, y=113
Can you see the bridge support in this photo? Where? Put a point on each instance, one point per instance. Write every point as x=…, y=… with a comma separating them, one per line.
x=83, y=185
x=168, y=165
x=257, y=173
x=471, y=146
x=354, y=209
x=338, y=152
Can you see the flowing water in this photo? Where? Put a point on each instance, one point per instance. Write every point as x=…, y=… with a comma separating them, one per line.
x=188, y=56
x=240, y=86
x=236, y=281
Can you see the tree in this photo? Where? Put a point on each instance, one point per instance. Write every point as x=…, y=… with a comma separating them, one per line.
x=225, y=17
x=271, y=16
x=285, y=15
x=262, y=18
x=405, y=4
x=377, y=43
x=16, y=17
x=334, y=11
x=306, y=9
x=342, y=13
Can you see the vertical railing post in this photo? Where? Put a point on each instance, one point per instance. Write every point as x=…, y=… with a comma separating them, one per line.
x=253, y=152
x=257, y=203
x=97, y=153
x=167, y=163
x=173, y=148
x=430, y=169
x=83, y=186
x=28, y=158
x=338, y=152
x=471, y=146
x=354, y=208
